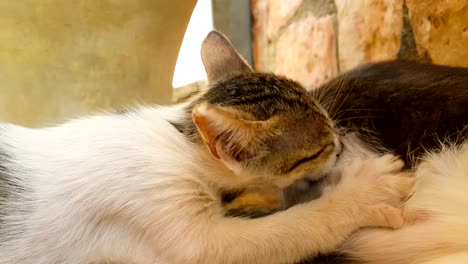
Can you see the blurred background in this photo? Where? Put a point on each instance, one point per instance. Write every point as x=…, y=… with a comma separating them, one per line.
x=60, y=59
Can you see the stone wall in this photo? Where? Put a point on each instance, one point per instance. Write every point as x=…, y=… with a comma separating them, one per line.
x=314, y=40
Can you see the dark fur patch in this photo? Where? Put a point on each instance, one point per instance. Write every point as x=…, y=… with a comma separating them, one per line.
x=4, y=178
x=7, y=186
x=187, y=127
x=120, y=111
x=11, y=190
x=244, y=214
x=179, y=126
x=409, y=106
x=229, y=195
x=333, y=258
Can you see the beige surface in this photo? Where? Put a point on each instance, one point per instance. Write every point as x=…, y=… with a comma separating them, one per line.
x=280, y=12
x=441, y=30
x=63, y=58
x=287, y=41
x=368, y=31
x=306, y=51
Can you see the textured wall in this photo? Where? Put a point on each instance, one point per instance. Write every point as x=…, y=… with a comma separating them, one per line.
x=63, y=58
x=313, y=40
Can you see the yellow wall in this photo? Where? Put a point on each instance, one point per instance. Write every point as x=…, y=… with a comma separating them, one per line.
x=64, y=58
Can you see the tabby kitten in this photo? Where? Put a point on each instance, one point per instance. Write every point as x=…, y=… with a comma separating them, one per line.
x=144, y=186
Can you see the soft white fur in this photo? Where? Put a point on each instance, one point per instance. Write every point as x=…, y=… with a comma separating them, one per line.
x=131, y=189
x=440, y=208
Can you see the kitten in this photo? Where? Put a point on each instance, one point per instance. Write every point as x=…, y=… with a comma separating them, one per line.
x=144, y=186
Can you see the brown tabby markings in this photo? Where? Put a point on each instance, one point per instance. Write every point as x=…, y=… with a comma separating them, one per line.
x=263, y=121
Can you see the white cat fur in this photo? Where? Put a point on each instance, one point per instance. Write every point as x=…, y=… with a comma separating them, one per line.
x=441, y=201
x=131, y=189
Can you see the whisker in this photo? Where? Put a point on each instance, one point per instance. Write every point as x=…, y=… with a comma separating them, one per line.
x=344, y=111
x=347, y=95
x=337, y=92
x=356, y=117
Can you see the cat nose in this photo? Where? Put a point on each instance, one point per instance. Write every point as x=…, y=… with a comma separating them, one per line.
x=338, y=146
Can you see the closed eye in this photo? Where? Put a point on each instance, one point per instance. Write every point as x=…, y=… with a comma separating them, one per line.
x=307, y=159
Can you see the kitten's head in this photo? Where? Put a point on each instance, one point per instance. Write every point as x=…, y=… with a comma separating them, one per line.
x=259, y=124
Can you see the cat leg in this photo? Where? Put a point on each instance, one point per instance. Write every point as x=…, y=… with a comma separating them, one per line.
x=457, y=258
x=363, y=198
x=266, y=200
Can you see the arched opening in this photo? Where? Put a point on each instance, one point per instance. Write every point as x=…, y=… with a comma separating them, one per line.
x=189, y=67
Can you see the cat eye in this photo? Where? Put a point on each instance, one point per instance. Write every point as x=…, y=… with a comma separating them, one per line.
x=307, y=159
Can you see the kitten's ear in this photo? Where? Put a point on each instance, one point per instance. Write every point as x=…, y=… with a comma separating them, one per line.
x=220, y=57
x=229, y=136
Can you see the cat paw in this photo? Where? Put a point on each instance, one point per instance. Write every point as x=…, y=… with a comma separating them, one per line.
x=383, y=215
x=379, y=189
x=388, y=163
x=373, y=167
x=398, y=186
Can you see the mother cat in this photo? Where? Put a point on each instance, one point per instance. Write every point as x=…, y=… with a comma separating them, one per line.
x=144, y=186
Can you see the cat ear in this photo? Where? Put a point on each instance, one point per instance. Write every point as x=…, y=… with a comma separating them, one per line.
x=220, y=57
x=229, y=136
